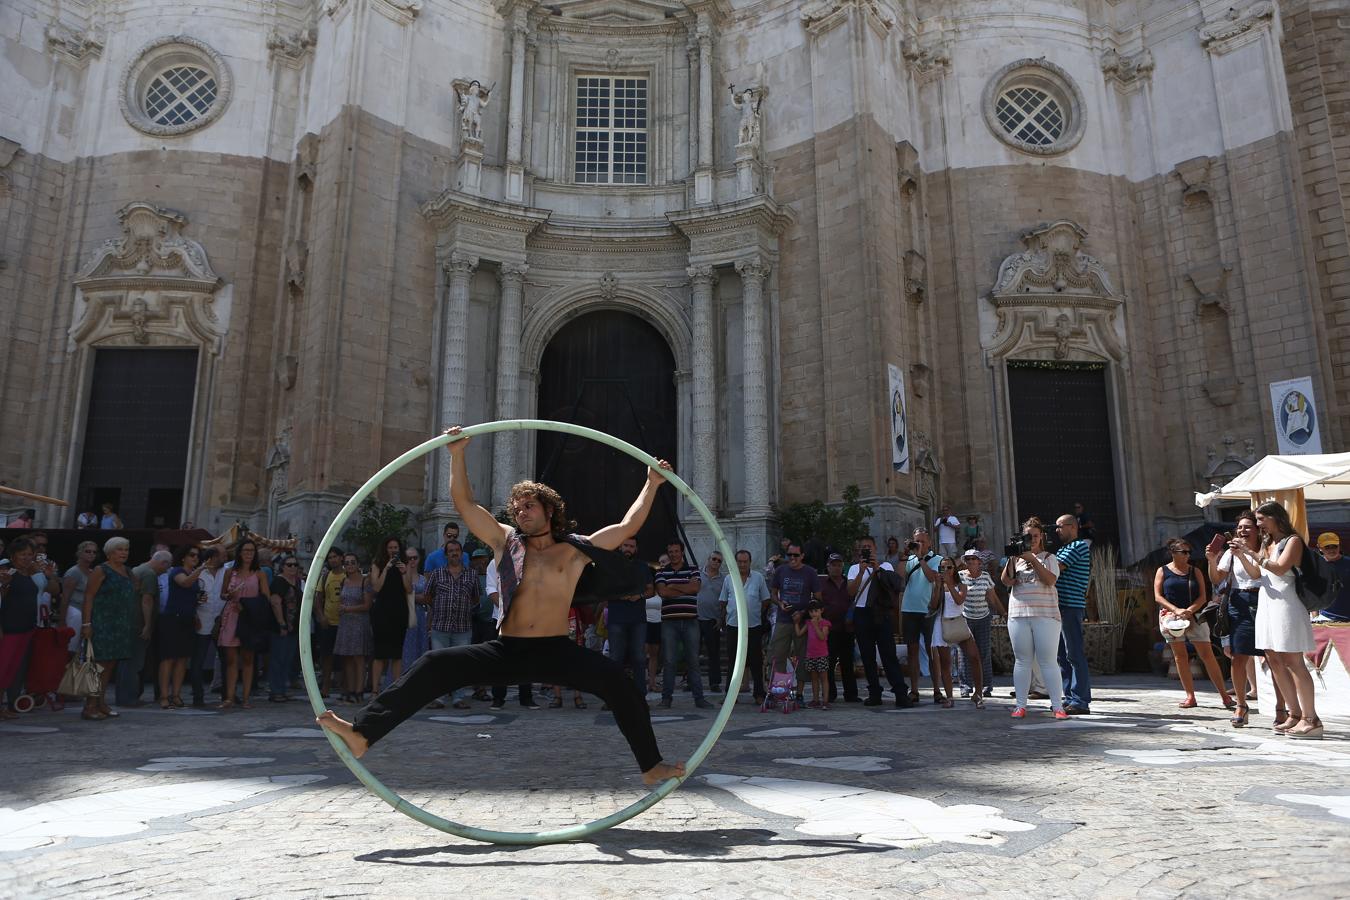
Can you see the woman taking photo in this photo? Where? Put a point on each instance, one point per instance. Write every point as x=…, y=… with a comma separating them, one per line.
x=176, y=630
x=1033, y=617
x=1283, y=629
x=392, y=581
x=250, y=632
x=1242, y=599
x=949, y=595
x=1180, y=593
x=354, y=640
x=110, y=599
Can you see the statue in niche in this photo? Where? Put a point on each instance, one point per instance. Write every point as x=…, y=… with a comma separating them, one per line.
x=472, y=97
x=747, y=102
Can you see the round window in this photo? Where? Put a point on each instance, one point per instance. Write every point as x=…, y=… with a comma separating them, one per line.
x=175, y=85
x=1033, y=106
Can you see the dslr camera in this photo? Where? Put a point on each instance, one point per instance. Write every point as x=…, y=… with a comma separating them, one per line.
x=1019, y=545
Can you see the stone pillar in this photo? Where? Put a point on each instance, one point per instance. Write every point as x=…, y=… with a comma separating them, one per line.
x=703, y=192
x=459, y=270
x=753, y=272
x=515, y=169
x=704, y=363
x=505, y=463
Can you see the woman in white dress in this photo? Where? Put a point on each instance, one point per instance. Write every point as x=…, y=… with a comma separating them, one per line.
x=1283, y=628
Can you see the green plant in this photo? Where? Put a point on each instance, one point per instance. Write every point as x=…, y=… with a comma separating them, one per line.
x=838, y=526
x=375, y=521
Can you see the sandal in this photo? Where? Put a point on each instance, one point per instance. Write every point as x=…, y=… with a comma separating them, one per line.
x=1239, y=718
x=1282, y=726
x=947, y=703
x=979, y=701
x=578, y=703
x=1312, y=733
x=163, y=702
x=176, y=702
x=92, y=716
x=225, y=704
x=1228, y=702
x=1188, y=703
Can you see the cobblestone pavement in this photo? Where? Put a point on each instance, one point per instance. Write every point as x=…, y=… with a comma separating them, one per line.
x=1140, y=800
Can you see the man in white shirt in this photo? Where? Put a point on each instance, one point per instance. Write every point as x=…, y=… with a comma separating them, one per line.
x=946, y=526
x=873, y=587
x=756, y=596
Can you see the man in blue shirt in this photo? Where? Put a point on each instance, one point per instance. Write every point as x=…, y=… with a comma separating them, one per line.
x=921, y=566
x=1075, y=571
x=1330, y=544
x=757, y=597
x=436, y=559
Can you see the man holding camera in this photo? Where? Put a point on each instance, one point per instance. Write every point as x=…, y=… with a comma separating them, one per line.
x=1075, y=570
x=921, y=567
x=873, y=587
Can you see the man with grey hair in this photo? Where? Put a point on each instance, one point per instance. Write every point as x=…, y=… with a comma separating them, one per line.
x=147, y=578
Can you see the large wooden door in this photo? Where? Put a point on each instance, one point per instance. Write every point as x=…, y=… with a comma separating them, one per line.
x=136, y=435
x=614, y=372
x=1062, y=451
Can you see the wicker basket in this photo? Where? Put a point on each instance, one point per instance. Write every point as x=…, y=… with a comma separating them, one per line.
x=1100, y=640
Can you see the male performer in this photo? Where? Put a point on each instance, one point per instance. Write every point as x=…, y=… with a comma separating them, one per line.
x=542, y=567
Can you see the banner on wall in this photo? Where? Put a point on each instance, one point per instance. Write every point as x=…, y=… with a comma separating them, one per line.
x=899, y=422
x=1297, y=419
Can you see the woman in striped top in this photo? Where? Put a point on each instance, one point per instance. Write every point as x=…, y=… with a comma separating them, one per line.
x=952, y=596
x=1033, y=617
x=980, y=599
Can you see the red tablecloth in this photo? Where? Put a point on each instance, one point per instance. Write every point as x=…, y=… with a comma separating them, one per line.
x=1324, y=638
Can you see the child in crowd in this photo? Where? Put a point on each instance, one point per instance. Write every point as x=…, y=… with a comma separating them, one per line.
x=816, y=628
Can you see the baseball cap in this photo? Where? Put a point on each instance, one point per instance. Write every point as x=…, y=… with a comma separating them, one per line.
x=834, y=557
x=480, y=553
x=972, y=552
x=1328, y=539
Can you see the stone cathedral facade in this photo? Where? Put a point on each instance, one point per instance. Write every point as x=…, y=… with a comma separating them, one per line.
x=997, y=254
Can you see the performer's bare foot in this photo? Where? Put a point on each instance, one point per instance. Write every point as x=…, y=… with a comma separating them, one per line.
x=329, y=721
x=662, y=772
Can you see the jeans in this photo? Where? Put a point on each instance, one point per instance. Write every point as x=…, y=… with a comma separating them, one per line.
x=279, y=660
x=875, y=635
x=754, y=659
x=627, y=647
x=440, y=640
x=552, y=660
x=711, y=636
x=415, y=640
x=203, y=655
x=1073, y=664
x=679, y=634
x=980, y=629
x=1038, y=637
x=841, y=655
x=127, y=677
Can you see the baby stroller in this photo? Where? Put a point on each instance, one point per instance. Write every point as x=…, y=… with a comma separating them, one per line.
x=46, y=664
x=782, y=692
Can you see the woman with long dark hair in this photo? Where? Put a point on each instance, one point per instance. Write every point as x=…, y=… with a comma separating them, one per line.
x=285, y=595
x=1283, y=628
x=1181, y=593
x=246, y=593
x=1243, y=594
x=392, y=581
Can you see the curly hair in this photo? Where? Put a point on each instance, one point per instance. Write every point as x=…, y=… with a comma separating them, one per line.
x=558, y=524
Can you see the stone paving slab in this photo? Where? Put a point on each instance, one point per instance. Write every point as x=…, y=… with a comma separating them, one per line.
x=1140, y=800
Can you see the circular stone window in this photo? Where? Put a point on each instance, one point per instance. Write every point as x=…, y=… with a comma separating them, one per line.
x=175, y=85
x=1033, y=106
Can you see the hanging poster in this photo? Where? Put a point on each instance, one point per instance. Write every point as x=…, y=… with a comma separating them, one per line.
x=899, y=422
x=1297, y=419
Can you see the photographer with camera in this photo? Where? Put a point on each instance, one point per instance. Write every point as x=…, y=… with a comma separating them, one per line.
x=921, y=565
x=1033, y=614
x=873, y=586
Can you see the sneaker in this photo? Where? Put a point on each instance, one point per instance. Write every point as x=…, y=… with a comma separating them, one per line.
x=496, y=707
x=872, y=701
x=903, y=702
x=531, y=705
x=1061, y=714
x=703, y=704
x=1077, y=710
x=989, y=691
x=665, y=703
x=1019, y=712
x=965, y=692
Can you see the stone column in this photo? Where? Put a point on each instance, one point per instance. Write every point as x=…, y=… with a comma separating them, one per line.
x=704, y=362
x=458, y=269
x=515, y=181
x=753, y=272
x=703, y=173
x=505, y=463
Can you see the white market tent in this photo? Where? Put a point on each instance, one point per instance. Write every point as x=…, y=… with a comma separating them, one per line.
x=1291, y=480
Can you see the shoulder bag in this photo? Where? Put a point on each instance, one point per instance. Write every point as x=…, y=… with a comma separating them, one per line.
x=83, y=676
x=954, y=628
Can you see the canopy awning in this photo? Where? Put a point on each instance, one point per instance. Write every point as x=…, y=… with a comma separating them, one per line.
x=1324, y=476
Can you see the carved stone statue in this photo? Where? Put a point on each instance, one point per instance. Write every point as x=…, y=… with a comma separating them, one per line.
x=747, y=102
x=472, y=97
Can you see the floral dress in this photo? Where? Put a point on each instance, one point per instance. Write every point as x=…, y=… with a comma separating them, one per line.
x=114, y=608
x=354, y=635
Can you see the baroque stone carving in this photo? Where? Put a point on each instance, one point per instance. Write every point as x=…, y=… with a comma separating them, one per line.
x=916, y=276
x=152, y=246
x=1211, y=286
x=819, y=16
x=1055, y=298
x=471, y=98
x=291, y=47
x=747, y=102
x=1237, y=27
x=1194, y=176
x=307, y=160
x=75, y=46
x=297, y=261
x=609, y=286
x=926, y=61
x=1126, y=71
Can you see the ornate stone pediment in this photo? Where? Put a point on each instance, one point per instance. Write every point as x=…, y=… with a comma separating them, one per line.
x=1054, y=301
x=1126, y=71
x=151, y=253
x=1237, y=27
x=618, y=12
x=819, y=16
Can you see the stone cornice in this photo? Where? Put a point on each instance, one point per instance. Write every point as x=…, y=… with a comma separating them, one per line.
x=1127, y=71
x=1237, y=28
x=757, y=213
x=820, y=16
x=629, y=237
x=453, y=206
x=75, y=46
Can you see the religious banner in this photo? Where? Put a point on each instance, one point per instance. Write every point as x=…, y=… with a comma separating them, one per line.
x=1297, y=425
x=899, y=422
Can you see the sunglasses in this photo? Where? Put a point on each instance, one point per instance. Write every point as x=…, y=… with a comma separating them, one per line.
x=794, y=556
x=291, y=565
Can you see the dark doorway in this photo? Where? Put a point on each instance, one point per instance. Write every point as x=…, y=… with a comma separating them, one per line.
x=610, y=371
x=136, y=436
x=1062, y=450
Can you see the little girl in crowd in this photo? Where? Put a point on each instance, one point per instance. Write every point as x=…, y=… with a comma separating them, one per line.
x=817, y=631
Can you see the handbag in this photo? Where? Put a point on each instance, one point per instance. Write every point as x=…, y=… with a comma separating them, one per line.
x=955, y=630
x=83, y=677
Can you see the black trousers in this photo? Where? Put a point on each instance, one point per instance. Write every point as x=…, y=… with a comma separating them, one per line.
x=552, y=660
x=841, y=655
x=754, y=658
x=710, y=636
x=875, y=635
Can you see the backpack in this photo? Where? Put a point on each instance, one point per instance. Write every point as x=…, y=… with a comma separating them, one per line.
x=1315, y=581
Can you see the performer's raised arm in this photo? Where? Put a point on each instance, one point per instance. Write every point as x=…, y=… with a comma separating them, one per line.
x=611, y=536
x=481, y=522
